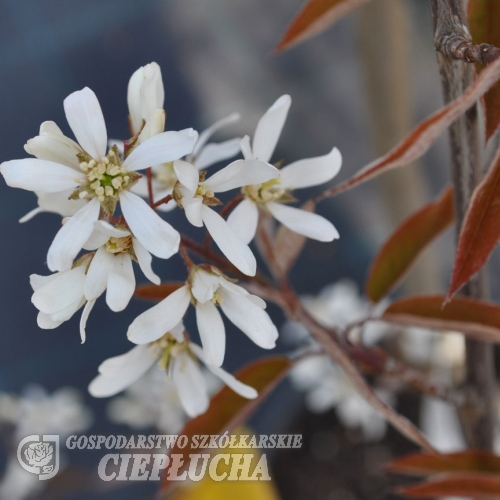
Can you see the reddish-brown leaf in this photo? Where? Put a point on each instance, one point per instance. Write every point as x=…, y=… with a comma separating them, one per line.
x=288, y=245
x=475, y=318
x=484, y=23
x=157, y=292
x=315, y=17
x=424, y=135
x=227, y=409
x=403, y=247
x=424, y=464
x=480, y=231
x=478, y=486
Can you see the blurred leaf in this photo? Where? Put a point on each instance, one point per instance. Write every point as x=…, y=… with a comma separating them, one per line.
x=208, y=489
x=315, y=17
x=478, y=486
x=157, y=292
x=227, y=409
x=424, y=135
x=475, y=318
x=403, y=247
x=288, y=245
x=480, y=230
x=484, y=23
x=423, y=464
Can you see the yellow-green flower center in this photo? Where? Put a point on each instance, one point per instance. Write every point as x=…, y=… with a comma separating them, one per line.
x=119, y=245
x=265, y=193
x=105, y=178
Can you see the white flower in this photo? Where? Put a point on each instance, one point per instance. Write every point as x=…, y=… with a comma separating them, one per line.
x=194, y=194
x=37, y=412
x=271, y=196
x=109, y=269
x=178, y=358
x=203, y=156
x=326, y=387
x=99, y=178
x=207, y=289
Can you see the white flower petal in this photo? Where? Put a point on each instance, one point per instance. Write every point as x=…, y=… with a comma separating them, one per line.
x=161, y=318
x=38, y=175
x=187, y=175
x=249, y=318
x=157, y=236
x=109, y=230
x=216, y=152
x=85, y=316
x=155, y=124
x=85, y=118
x=161, y=148
x=97, y=275
x=246, y=148
x=233, y=287
x=207, y=133
x=30, y=215
x=178, y=332
x=37, y=281
x=144, y=259
x=193, y=208
x=60, y=203
x=53, y=145
x=241, y=173
x=190, y=383
x=61, y=291
x=72, y=236
x=243, y=220
x=204, y=285
x=311, y=172
x=212, y=332
x=121, y=283
x=96, y=240
x=309, y=224
x=127, y=368
x=239, y=387
x=145, y=94
x=67, y=312
x=269, y=128
x=257, y=301
x=46, y=322
x=237, y=252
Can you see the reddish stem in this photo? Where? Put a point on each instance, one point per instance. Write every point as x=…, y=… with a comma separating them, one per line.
x=166, y=199
x=149, y=173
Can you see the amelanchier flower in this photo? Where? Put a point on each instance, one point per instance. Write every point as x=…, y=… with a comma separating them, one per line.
x=204, y=155
x=175, y=355
x=109, y=269
x=101, y=179
x=195, y=195
x=207, y=288
x=272, y=196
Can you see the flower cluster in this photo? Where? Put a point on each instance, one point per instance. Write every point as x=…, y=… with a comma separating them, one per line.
x=108, y=194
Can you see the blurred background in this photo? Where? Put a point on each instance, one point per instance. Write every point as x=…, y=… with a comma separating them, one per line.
x=360, y=86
